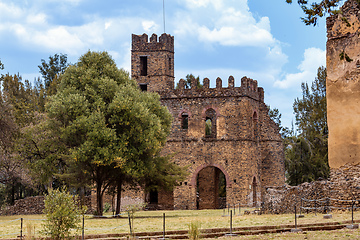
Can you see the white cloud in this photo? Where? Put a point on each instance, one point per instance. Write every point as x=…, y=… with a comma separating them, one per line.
x=226, y=22
x=313, y=58
x=149, y=26
x=202, y=3
x=108, y=24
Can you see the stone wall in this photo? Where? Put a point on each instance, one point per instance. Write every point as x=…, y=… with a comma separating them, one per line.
x=33, y=205
x=160, y=61
x=343, y=84
x=343, y=185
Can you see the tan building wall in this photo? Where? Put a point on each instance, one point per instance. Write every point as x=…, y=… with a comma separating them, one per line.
x=343, y=85
x=244, y=143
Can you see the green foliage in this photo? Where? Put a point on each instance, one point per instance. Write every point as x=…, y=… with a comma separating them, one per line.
x=7, y=125
x=42, y=150
x=208, y=126
x=343, y=56
x=317, y=9
x=306, y=154
x=189, y=79
x=1, y=65
x=51, y=70
x=62, y=215
x=194, y=230
x=275, y=115
x=23, y=98
x=113, y=131
x=107, y=207
x=344, y=19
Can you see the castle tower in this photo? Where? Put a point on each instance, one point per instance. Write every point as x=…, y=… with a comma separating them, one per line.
x=343, y=85
x=152, y=63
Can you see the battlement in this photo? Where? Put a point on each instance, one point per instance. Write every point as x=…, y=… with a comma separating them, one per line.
x=249, y=87
x=141, y=43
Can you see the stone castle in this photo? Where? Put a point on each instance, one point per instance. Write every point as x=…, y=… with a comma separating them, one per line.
x=343, y=84
x=232, y=148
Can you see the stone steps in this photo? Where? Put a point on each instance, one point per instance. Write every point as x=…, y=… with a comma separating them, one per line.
x=219, y=232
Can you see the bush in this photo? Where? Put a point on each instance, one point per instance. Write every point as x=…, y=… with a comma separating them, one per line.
x=107, y=207
x=194, y=230
x=62, y=215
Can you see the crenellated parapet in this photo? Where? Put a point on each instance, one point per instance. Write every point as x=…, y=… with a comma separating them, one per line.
x=141, y=43
x=249, y=88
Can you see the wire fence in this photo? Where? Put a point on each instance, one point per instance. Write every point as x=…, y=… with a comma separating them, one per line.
x=23, y=225
x=321, y=205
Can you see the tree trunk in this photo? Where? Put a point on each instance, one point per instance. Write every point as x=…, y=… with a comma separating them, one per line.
x=12, y=198
x=118, y=196
x=99, y=200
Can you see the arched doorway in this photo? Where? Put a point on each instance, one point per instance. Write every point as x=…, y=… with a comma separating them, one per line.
x=210, y=188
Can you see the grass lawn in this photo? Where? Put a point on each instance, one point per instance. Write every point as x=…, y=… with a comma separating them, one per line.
x=149, y=221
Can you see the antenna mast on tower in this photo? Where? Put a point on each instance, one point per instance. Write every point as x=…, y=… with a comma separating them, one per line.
x=164, y=13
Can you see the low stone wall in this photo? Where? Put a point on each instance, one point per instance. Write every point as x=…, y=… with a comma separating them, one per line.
x=33, y=205
x=26, y=206
x=344, y=184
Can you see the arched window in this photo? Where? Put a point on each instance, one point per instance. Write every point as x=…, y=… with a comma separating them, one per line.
x=210, y=123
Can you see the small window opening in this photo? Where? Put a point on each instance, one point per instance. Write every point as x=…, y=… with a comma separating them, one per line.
x=208, y=126
x=210, y=123
x=143, y=87
x=185, y=183
x=255, y=124
x=143, y=65
x=184, y=121
x=234, y=180
x=169, y=63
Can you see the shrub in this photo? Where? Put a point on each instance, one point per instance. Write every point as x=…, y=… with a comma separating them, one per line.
x=194, y=230
x=62, y=215
x=107, y=207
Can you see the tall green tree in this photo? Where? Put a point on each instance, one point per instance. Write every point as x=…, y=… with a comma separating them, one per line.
x=275, y=115
x=317, y=9
x=52, y=70
x=110, y=127
x=307, y=152
x=22, y=97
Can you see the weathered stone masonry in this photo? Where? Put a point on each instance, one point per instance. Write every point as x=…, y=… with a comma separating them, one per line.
x=243, y=144
x=343, y=84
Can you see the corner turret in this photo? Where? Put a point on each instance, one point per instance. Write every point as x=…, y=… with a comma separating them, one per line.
x=152, y=63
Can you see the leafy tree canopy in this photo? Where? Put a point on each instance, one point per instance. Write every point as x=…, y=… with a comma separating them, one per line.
x=189, y=79
x=51, y=70
x=317, y=9
x=111, y=128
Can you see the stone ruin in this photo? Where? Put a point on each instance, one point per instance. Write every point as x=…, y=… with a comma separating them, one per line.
x=344, y=184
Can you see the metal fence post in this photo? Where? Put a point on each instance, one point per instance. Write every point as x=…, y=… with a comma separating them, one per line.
x=83, y=228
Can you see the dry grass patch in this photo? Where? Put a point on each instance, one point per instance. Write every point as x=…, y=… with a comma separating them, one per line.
x=150, y=221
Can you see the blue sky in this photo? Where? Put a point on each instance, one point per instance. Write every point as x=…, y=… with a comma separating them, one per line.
x=261, y=39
